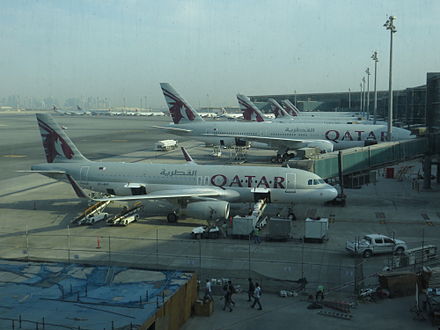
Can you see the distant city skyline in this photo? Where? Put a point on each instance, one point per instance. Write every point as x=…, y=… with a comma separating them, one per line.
x=208, y=50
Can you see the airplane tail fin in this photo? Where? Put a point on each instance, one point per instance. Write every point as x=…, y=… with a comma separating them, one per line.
x=278, y=110
x=57, y=145
x=290, y=108
x=249, y=110
x=187, y=156
x=180, y=110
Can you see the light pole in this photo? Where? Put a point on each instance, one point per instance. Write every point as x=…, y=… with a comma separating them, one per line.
x=360, y=101
x=363, y=96
x=390, y=26
x=375, y=59
x=368, y=92
x=349, y=99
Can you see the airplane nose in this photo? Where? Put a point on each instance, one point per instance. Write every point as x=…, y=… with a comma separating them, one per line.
x=333, y=193
x=330, y=192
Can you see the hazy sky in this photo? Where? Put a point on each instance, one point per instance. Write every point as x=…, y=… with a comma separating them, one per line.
x=210, y=50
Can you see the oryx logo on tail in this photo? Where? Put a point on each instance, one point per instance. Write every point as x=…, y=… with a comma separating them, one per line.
x=57, y=145
x=277, y=109
x=54, y=145
x=179, y=109
x=290, y=108
x=249, y=110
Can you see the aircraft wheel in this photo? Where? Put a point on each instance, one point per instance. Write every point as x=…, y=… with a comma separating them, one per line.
x=172, y=217
x=280, y=159
x=367, y=253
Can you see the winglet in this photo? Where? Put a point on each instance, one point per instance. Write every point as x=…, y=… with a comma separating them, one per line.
x=187, y=156
x=78, y=190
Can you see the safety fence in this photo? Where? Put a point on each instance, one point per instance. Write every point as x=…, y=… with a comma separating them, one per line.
x=276, y=265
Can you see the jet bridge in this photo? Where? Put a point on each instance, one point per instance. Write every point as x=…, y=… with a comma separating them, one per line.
x=364, y=159
x=351, y=168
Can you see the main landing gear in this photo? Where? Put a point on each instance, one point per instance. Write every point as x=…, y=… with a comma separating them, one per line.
x=280, y=158
x=172, y=217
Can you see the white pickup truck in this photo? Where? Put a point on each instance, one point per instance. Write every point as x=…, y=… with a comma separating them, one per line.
x=375, y=244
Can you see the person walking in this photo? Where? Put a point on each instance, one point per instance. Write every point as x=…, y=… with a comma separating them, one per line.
x=232, y=290
x=227, y=297
x=251, y=289
x=257, y=236
x=208, y=291
x=257, y=295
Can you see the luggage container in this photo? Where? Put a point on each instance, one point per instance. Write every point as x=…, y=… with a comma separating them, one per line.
x=315, y=229
x=279, y=228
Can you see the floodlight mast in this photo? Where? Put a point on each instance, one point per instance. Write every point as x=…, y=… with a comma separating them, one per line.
x=368, y=92
x=390, y=26
x=375, y=59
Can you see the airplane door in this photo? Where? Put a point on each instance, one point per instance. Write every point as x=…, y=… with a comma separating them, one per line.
x=291, y=182
x=84, y=174
x=199, y=180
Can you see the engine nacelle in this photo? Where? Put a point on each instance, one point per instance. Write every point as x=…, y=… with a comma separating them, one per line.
x=207, y=210
x=324, y=146
x=370, y=143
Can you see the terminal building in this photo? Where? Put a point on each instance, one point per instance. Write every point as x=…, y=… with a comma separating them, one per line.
x=409, y=105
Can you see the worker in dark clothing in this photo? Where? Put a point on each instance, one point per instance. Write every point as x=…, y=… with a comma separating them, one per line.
x=232, y=290
x=251, y=289
x=227, y=297
x=319, y=292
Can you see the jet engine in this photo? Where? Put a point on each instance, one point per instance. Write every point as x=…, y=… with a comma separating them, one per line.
x=323, y=145
x=207, y=210
x=369, y=143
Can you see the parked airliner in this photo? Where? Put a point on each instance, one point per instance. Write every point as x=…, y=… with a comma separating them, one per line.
x=278, y=136
x=199, y=191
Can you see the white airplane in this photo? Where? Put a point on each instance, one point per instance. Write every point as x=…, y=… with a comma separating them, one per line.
x=208, y=114
x=77, y=112
x=294, y=111
x=278, y=136
x=200, y=191
x=281, y=115
x=230, y=116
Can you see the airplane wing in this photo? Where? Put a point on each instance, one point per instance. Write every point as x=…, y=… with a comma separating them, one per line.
x=173, y=129
x=280, y=143
x=42, y=171
x=188, y=192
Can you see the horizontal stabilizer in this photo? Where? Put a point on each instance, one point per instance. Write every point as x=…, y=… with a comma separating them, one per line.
x=78, y=190
x=42, y=171
x=175, y=129
x=175, y=194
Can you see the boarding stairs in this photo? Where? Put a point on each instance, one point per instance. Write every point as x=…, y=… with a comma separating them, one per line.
x=127, y=215
x=91, y=210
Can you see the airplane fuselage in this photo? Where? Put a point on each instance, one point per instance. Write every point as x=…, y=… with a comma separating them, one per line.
x=241, y=184
x=342, y=136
